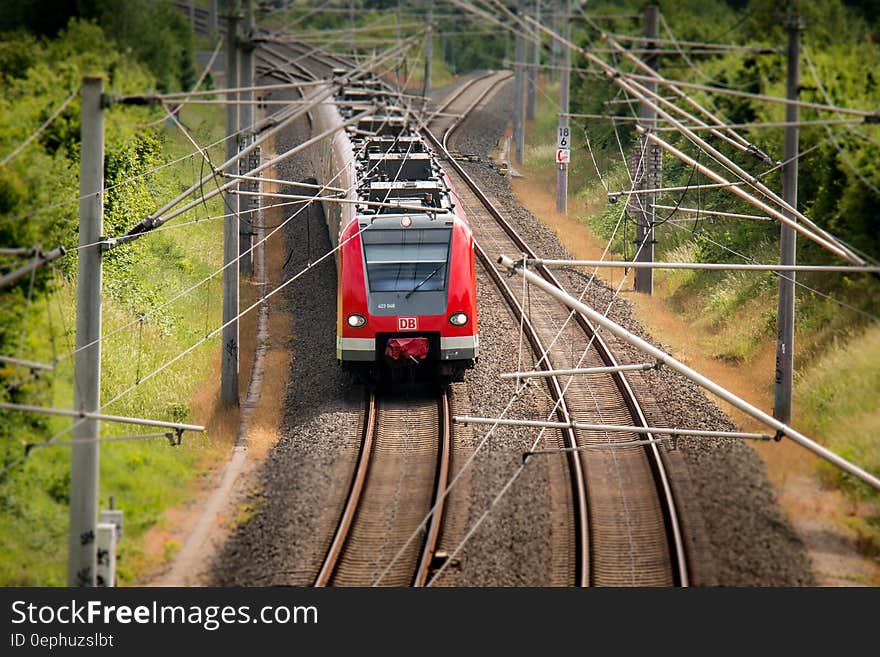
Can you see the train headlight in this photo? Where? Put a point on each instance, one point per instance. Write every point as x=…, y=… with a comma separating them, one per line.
x=458, y=319
x=356, y=321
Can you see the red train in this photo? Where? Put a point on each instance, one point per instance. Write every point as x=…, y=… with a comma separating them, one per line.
x=407, y=303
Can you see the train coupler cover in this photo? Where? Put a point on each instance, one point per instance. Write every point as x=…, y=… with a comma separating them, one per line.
x=406, y=349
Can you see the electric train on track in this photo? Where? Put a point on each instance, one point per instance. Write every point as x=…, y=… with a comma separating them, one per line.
x=406, y=302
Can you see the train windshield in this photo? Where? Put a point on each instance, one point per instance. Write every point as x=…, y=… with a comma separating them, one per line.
x=409, y=260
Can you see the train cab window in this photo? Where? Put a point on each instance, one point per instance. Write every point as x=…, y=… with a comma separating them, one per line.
x=408, y=260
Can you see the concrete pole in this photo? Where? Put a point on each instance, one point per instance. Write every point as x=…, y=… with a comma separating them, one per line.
x=245, y=123
x=398, y=36
x=532, y=71
x=557, y=27
x=229, y=358
x=644, y=278
x=85, y=452
x=564, y=83
x=429, y=49
x=450, y=45
x=351, y=27
x=212, y=19
x=788, y=236
x=519, y=136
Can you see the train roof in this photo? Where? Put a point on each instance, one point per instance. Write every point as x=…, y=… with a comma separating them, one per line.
x=398, y=175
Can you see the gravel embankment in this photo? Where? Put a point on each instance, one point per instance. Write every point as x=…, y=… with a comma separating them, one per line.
x=731, y=504
x=285, y=525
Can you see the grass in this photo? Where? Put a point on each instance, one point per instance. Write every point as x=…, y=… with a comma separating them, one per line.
x=837, y=402
x=145, y=477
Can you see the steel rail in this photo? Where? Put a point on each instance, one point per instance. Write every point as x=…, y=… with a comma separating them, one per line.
x=576, y=470
x=444, y=459
x=658, y=468
x=470, y=108
x=449, y=101
x=439, y=112
x=353, y=499
x=569, y=436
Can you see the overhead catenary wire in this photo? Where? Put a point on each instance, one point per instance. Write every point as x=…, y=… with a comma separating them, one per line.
x=843, y=304
x=843, y=154
x=694, y=44
x=214, y=274
x=171, y=437
x=684, y=53
x=474, y=528
x=778, y=165
x=525, y=33
x=634, y=367
x=89, y=345
x=296, y=36
x=347, y=201
x=36, y=133
x=711, y=213
x=868, y=115
x=156, y=219
x=615, y=428
x=198, y=83
x=160, y=216
x=186, y=351
x=640, y=91
x=699, y=379
x=717, y=124
x=19, y=251
x=521, y=468
x=29, y=364
x=516, y=474
x=776, y=214
x=135, y=177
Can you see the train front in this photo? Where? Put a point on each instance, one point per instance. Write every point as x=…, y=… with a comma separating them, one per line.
x=407, y=302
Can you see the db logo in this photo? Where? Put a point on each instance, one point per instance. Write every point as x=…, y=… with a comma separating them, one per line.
x=407, y=324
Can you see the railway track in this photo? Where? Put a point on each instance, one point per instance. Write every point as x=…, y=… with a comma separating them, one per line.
x=625, y=522
x=402, y=468
x=449, y=115
x=627, y=528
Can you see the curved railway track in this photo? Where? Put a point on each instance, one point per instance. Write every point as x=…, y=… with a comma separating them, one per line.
x=465, y=100
x=627, y=528
x=466, y=97
x=402, y=469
